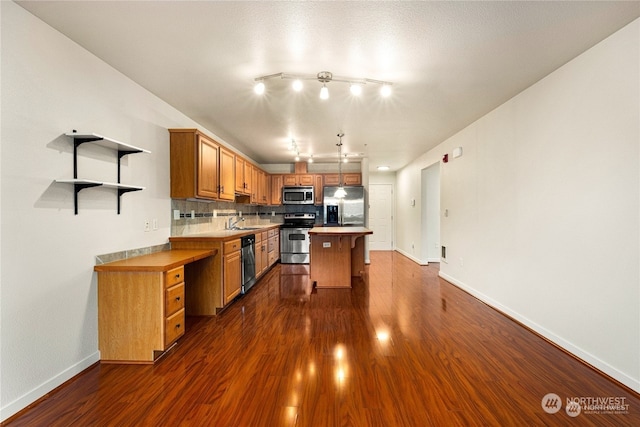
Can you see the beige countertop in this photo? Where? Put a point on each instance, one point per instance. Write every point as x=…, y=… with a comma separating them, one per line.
x=225, y=234
x=340, y=231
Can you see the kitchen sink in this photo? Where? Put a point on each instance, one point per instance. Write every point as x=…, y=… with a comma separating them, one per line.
x=246, y=228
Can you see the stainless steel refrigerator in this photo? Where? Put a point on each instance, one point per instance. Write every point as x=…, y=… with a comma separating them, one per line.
x=347, y=211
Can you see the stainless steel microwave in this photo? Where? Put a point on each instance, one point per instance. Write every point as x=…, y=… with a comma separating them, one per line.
x=297, y=195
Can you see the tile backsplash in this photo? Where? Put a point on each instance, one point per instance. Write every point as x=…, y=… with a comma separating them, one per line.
x=193, y=216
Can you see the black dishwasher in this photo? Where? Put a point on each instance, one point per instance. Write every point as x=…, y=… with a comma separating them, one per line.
x=248, y=262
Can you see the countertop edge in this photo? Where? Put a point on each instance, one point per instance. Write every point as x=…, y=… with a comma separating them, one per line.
x=149, y=263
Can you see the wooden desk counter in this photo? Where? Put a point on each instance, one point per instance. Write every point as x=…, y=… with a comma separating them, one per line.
x=159, y=261
x=336, y=254
x=141, y=304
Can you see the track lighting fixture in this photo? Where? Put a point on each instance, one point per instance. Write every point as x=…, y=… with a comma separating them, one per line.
x=324, y=77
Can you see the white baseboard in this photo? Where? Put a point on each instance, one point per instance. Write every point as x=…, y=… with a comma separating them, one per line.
x=592, y=360
x=28, y=398
x=411, y=257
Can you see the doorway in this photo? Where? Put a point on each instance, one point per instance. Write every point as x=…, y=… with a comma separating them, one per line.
x=381, y=217
x=430, y=219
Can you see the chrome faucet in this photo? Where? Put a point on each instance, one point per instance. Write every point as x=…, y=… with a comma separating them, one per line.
x=232, y=223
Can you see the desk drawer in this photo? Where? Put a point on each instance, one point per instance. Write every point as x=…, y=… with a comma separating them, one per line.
x=173, y=327
x=174, y=299
x=231, y=246
x=173, y=277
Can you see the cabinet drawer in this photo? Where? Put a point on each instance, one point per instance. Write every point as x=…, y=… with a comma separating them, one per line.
x=231, y=246
x=174, y=299
x=173, y=327
x=273, y=232
x=173, y=277
x=272, y=258
x=264, y=235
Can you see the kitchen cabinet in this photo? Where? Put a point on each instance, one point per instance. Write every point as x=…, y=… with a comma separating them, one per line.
x=141, y=305
x=263, y=193
x=273, y=251
x=294, y=179
x=318, y=183
x=194, y=160
x=276, y=190
x=244, y=176
x=262, y=258
x=227, y=175
x=231, y=270
x=347, y=179
x=255, y=196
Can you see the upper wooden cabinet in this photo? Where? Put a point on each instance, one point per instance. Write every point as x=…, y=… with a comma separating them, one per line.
x=244, y=176
x=226, y=175
x=276, y=189
x=194, y=165
x=318, y=182
x=295, y=179
x=347, y=179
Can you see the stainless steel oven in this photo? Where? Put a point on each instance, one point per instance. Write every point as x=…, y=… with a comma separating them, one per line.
x=294, y=237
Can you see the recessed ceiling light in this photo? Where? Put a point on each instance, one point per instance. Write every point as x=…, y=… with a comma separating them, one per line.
x=259, y=88
x=383, y=168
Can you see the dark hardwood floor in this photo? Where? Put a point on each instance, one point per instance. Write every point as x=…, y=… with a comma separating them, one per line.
x=402, y=348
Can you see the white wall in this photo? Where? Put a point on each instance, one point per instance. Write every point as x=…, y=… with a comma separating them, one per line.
x=48, y=310
x=430, y=243
x=544, y=217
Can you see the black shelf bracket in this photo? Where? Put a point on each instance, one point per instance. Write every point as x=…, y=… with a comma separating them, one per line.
x=121, y=191
x=121, y=154
x=76, y=143
x=76, y=189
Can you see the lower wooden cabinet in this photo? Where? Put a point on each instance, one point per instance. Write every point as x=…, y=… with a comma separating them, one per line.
x=140, y=314
x=232, y=270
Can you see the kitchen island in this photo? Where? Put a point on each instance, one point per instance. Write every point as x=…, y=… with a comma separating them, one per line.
x=336, y=254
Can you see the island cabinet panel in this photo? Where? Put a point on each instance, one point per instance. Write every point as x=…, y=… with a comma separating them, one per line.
x=330, y=261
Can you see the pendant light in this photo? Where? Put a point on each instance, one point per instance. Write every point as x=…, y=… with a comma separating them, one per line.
x=340, y=192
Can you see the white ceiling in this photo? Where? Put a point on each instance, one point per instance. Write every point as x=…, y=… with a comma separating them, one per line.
x=450, y=62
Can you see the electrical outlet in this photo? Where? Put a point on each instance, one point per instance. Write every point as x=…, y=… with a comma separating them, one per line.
x=147, y=227
x=154, y=223
x=176, y=214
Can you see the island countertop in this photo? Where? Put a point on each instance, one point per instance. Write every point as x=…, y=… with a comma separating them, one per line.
x=340, y=231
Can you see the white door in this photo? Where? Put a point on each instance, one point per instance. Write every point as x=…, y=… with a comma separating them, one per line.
x=381, y=217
